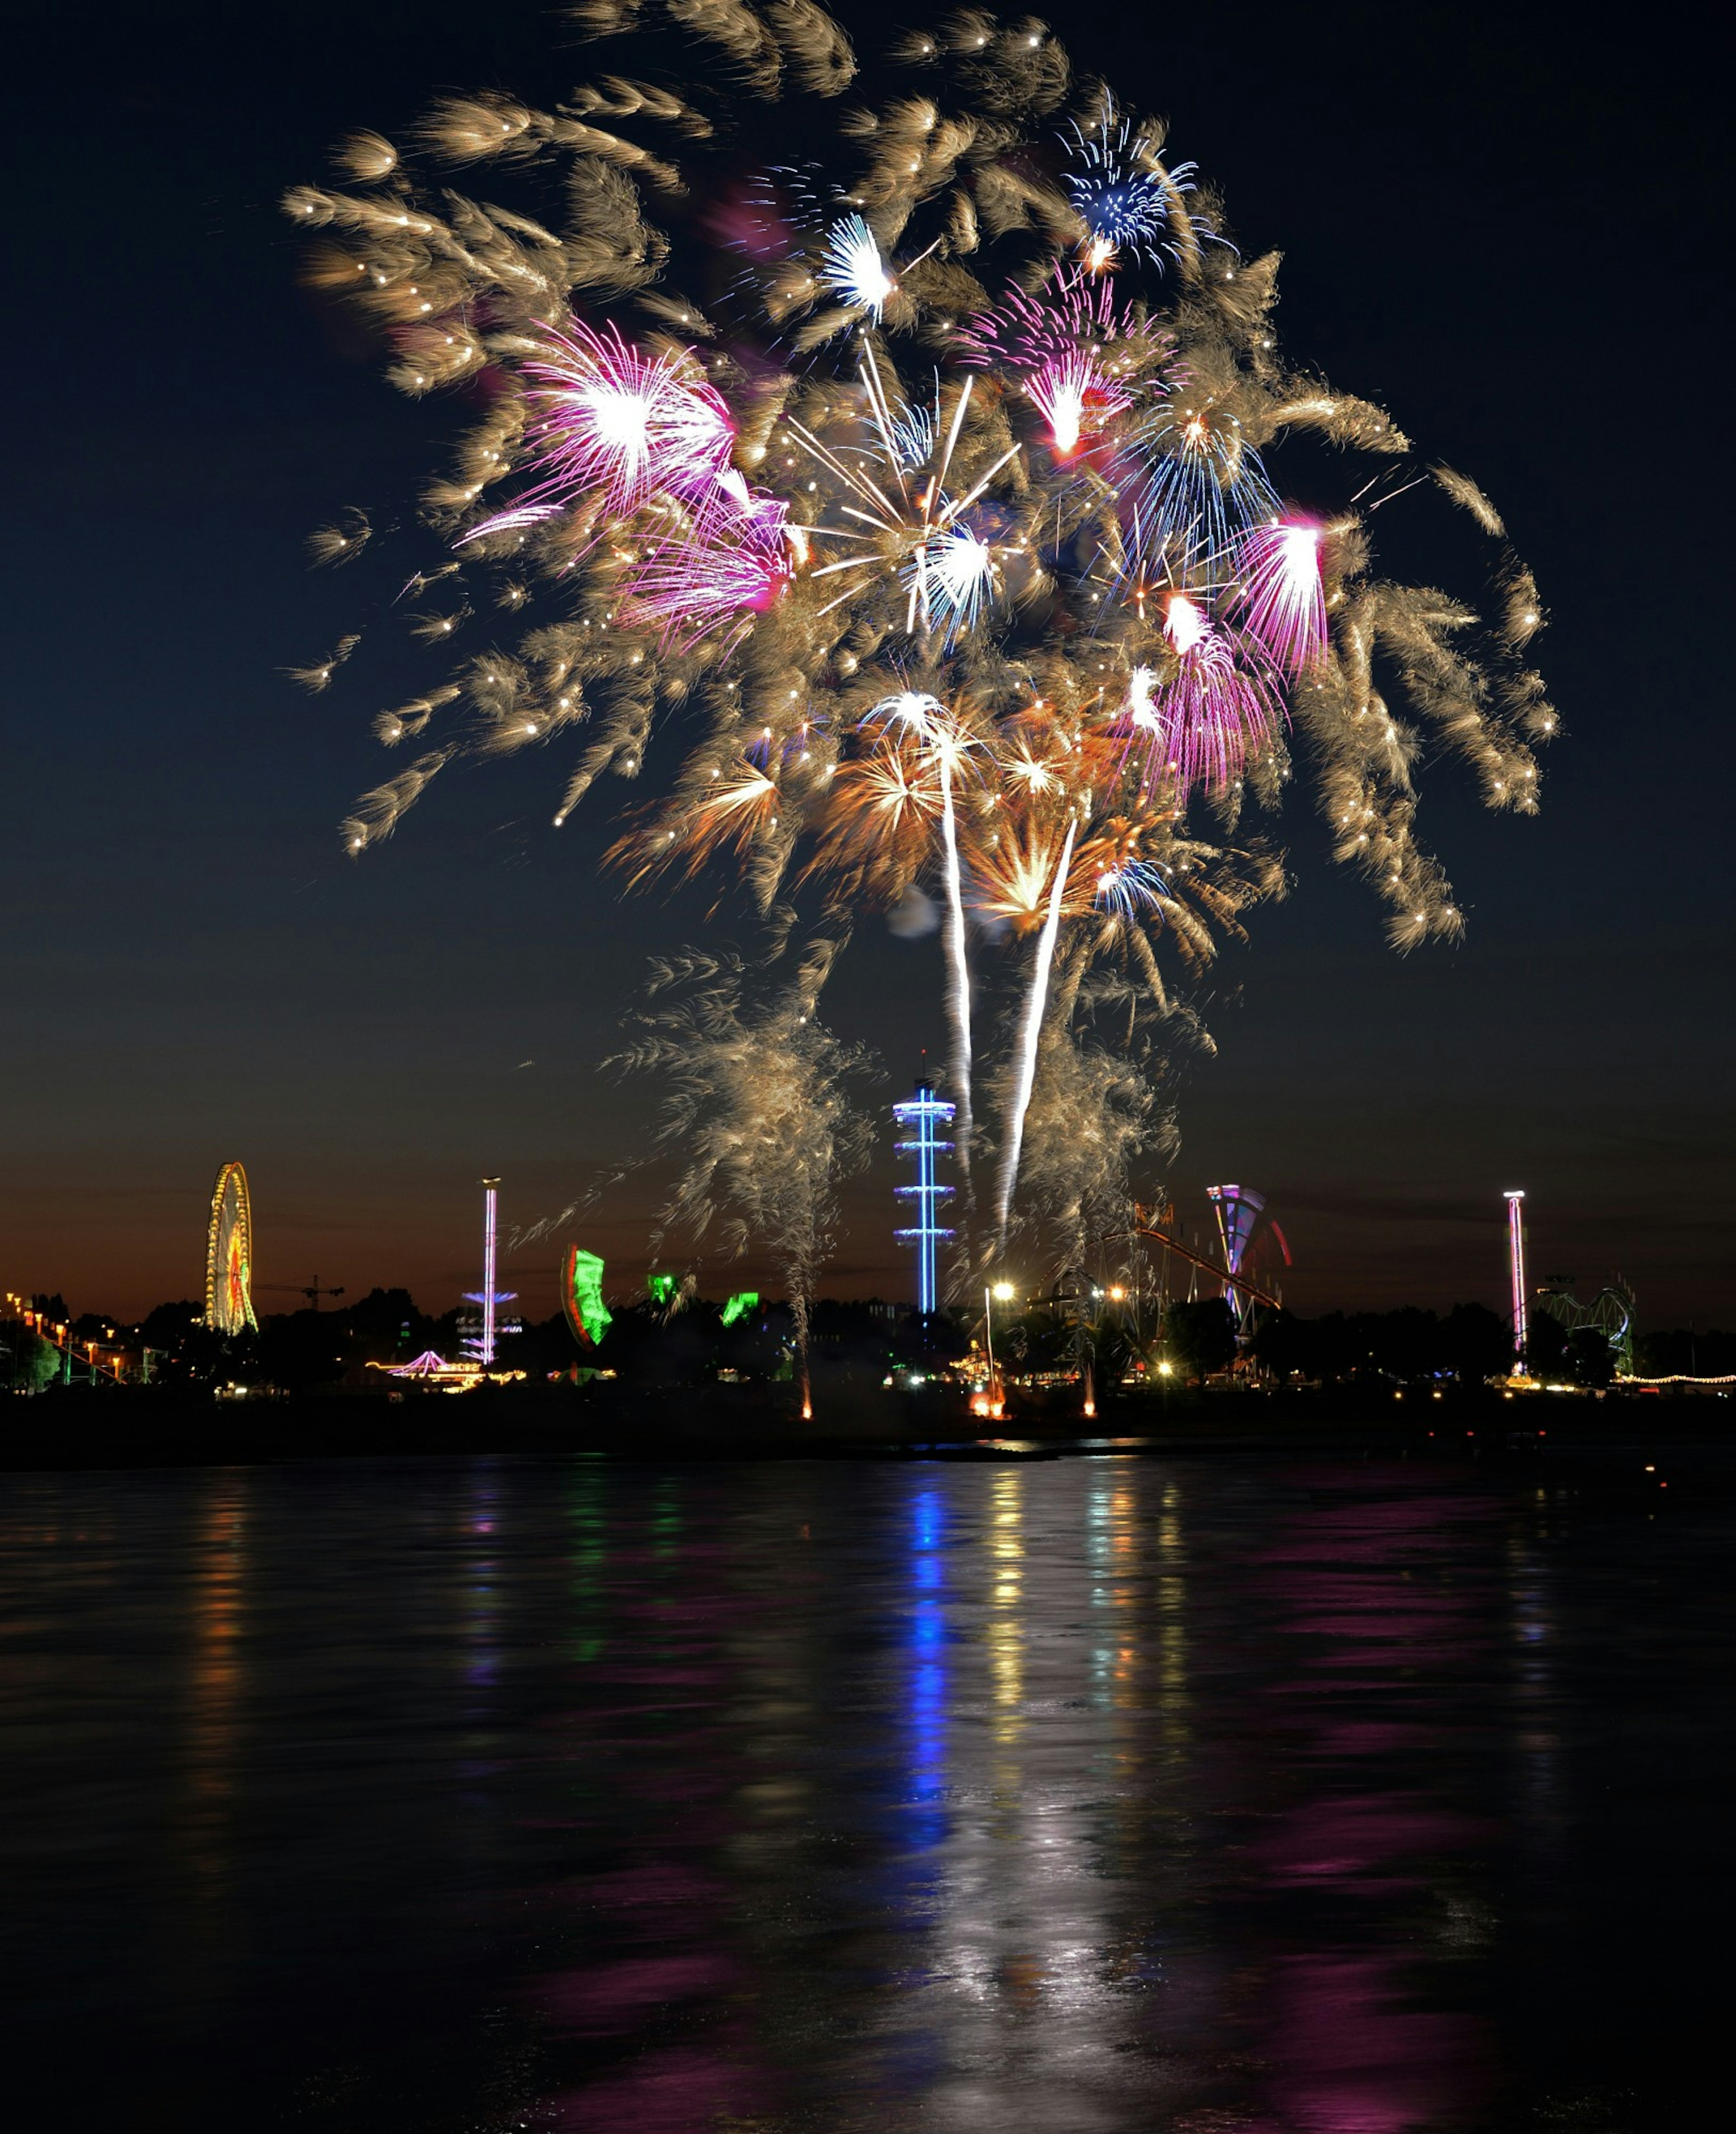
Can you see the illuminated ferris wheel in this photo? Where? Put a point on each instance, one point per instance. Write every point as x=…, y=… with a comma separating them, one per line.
x=229, y=1256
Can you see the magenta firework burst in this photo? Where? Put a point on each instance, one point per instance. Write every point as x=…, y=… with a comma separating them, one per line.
x=1282, y=595
x=614, y=424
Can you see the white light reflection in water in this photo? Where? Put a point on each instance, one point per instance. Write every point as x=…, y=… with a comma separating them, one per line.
x=1533, y=1638
x=1172, y=1629
x=1006, y=1629
x=1038, y=1970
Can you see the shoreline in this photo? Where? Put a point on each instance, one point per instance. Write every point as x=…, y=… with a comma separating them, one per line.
x=144, y=1428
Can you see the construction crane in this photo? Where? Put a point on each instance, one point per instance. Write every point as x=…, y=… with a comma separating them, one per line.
x=310, y=1289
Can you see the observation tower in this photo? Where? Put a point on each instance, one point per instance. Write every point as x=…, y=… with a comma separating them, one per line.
x=919, y=1122
x=480, y=1344
x=1237, y=1209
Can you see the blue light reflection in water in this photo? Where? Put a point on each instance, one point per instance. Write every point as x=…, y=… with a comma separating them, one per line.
x=926, y=1692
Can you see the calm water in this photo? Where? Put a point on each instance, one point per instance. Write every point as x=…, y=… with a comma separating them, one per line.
x=1099, y=1794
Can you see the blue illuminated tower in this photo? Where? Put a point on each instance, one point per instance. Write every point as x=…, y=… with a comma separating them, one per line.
x=918, y=1121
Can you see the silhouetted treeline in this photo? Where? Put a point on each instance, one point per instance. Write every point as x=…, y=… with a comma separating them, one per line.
x=647, y=1344
x=1466, y=1345
x=297, y=1350
x=1681, y=1352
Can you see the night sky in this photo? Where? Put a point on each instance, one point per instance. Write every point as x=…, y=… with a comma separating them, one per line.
x=1497, y=219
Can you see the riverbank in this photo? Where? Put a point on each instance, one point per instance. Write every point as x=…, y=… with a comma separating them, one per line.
x=170, y=1427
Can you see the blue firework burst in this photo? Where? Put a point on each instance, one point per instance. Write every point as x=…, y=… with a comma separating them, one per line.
x=1128, y=200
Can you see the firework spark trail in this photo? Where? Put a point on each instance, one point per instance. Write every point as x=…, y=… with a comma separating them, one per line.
x=958, y=990
x=1026, y=1073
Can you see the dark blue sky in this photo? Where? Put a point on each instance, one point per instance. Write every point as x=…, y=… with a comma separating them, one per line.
x=1515, y=237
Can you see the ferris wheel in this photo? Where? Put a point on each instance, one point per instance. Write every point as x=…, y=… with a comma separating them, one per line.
x=229, y=1255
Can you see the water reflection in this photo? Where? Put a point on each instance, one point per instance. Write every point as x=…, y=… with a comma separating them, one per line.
x=219, y=1568
x=1094, y=1795
x=1370, y=1840
x=928, y=1672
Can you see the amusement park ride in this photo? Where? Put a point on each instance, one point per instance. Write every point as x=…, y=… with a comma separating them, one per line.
x=1238, y=1209
x=487, y=1326
x=228, y=1256
x=1610, y=1314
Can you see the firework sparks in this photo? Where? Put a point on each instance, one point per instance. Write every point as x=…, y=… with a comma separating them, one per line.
x=947, y=545
x=946, y=750
x=1198, y=483
x=1284, y=599
x=729, y=567
x=1070, y=315
x=616, y=422
x=1133, y=889
x=1199, y=728
x=1130, y=204
x=756, y=1103
x=854, y=269
x=1075, y=394
x=951, y=578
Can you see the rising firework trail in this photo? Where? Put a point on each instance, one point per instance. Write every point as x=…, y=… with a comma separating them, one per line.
x=1025, y=1072
x=958, y=992
x=983, y=411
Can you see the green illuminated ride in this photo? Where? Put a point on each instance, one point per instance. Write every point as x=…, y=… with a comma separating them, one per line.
x=581, y=1296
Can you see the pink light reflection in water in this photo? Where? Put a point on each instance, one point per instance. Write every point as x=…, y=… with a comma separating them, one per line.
x=614, y=1999
x=675, y=2090
x=1355, y=2060
x=1350, y=2050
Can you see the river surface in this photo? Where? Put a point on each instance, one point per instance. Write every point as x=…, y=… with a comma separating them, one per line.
x=1102, y=1793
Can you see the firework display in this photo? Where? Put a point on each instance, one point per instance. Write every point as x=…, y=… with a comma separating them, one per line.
x=907, y=499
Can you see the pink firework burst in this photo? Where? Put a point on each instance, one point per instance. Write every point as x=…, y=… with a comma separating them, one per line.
x=1280, y=595
x=1073, y=314
x=618, y=421
x=1200, y=727
x=730, y=564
